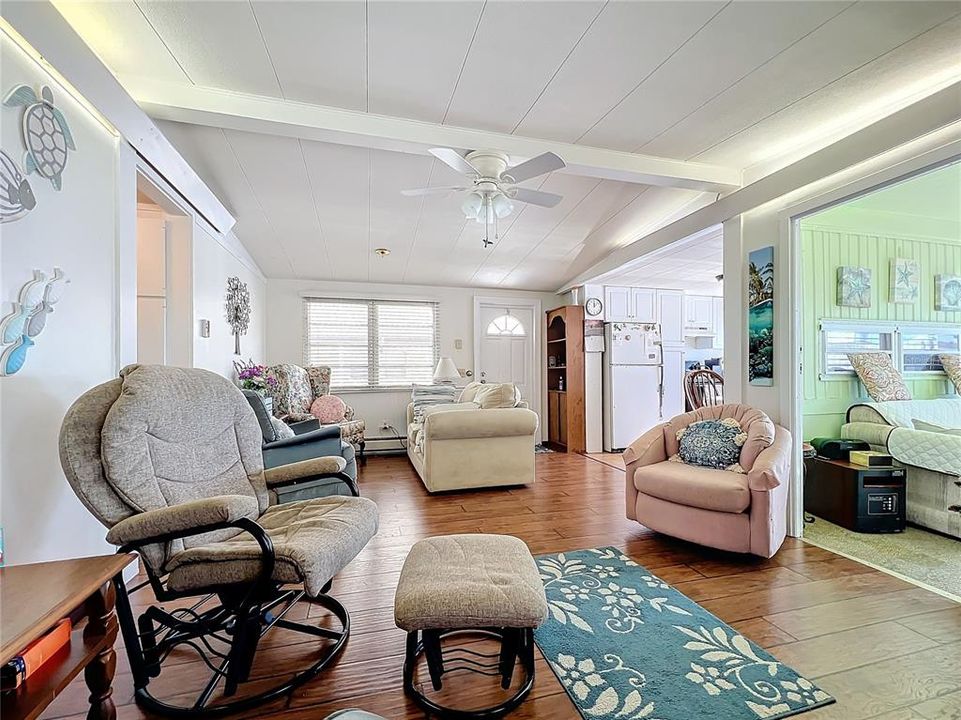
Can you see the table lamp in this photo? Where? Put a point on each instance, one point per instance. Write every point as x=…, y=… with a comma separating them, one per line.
x=446, y=371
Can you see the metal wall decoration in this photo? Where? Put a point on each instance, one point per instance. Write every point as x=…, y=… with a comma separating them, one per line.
x=854, y=287
x=45, y=133
x=947, y=295
x=237, y=309
x=16, y=195
x=28, y=318
x=905, y=281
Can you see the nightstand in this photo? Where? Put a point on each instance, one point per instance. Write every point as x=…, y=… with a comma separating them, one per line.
x=859, y=498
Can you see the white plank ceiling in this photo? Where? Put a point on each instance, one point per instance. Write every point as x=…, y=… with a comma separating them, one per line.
x=728, y=83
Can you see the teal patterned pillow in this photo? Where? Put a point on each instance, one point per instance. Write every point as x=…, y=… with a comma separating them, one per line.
x=712, y=443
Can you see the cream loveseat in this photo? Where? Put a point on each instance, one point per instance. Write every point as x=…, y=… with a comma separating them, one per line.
x=468, y=444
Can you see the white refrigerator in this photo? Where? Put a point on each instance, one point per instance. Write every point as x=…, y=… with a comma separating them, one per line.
x=633, y=382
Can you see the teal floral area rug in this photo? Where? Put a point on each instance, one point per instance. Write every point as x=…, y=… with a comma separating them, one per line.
x=626, y=645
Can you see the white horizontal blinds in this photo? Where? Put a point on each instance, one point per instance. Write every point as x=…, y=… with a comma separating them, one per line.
x=838, y=342
x=921, y=348
x=337, y=333
x=372, y=344
x=406, y=345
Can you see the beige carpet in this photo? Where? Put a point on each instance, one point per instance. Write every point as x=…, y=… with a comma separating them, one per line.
x=615, y=460
x=927, y=558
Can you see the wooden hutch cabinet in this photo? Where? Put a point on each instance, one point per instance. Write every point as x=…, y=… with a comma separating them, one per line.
x=565, y=379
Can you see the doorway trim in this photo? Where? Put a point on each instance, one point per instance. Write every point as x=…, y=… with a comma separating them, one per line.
x=790, y=241
x=537, y=336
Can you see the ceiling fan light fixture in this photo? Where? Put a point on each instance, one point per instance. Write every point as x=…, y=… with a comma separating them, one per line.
x=502, y=205
x=472, y=206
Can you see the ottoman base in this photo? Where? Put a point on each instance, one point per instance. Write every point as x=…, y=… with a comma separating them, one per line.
x=517, y=644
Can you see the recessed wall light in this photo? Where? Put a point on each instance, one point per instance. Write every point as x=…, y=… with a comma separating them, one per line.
x=383, y=252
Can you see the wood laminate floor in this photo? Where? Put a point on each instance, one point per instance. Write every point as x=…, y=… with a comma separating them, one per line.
x=884, y=648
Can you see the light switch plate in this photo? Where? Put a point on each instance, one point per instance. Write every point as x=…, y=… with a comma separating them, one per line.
x=458, y=344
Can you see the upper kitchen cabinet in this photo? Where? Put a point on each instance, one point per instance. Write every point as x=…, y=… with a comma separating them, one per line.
x=627, y=304
x=699, y=315
x=670, y=313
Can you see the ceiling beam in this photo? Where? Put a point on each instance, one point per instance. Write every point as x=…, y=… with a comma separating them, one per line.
x=273, y=116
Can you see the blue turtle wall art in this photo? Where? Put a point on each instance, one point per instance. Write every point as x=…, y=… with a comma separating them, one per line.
x=45, y=133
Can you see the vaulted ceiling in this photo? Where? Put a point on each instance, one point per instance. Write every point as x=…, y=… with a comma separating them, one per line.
x=298, y=114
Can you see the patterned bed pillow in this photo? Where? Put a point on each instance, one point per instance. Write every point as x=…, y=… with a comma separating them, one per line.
x=952, y=366
x=712, y=443
x=282, y=431
x=881, y=379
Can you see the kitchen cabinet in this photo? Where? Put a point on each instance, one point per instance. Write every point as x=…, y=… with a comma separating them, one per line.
x=718, y=322
x=699, y=315
x=630, y=304
x=617, y=304
x=670, y=314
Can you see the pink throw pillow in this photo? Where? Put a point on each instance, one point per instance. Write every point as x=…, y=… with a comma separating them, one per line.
x=328, y=409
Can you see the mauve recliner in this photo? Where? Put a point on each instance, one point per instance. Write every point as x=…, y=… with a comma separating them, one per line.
x=740, y=512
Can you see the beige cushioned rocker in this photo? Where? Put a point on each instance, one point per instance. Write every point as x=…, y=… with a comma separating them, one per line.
x=169, y=460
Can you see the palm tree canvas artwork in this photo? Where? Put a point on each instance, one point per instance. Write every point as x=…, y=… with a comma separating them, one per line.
x=854, y=286
x=761, y=316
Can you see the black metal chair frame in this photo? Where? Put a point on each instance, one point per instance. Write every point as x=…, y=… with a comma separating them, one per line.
x=516, y=644
x=244, y=614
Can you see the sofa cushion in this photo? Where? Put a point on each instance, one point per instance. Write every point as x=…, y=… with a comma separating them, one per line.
x=712, y=443
x=497, y=395
x=694, y=486
x=329, y=409
x=881, y=379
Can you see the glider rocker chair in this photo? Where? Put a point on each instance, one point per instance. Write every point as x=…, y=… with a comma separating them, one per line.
x=169, y=460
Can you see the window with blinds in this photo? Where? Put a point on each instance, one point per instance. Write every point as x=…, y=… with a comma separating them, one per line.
x=371, y=344
x=913, y=348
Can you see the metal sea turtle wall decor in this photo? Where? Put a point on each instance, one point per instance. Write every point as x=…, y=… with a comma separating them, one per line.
x=16, y=195
x=28, y=318
x=46, y=135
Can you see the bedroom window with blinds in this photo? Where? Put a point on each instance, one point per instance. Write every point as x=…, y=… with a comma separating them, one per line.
x=371, y=344
x=913, y=348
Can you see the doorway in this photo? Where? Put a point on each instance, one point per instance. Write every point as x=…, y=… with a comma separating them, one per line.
x=506, y=338
x=164, y=278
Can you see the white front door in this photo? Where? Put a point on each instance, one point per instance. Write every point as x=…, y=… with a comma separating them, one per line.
x=505, y=342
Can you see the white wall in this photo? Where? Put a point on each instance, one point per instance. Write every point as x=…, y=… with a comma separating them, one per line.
x=285, y=343
x=89, y=230
x=214, y=262
x=75, y=229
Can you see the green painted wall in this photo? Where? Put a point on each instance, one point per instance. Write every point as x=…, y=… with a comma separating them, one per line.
x=824, y=248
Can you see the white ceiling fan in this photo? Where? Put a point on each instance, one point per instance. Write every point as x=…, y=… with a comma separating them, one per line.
x=493, y=191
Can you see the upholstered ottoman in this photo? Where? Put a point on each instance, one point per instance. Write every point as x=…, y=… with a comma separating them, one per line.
x=458, y=585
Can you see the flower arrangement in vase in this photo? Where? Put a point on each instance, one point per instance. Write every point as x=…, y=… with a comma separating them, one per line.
x=254, y=377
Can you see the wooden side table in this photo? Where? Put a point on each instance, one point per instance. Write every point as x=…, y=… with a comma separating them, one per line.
x=34, y=599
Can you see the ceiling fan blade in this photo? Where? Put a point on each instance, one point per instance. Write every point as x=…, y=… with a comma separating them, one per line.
x=455, y=160
x=415, y=192
x=535, y=197
x=543, y=163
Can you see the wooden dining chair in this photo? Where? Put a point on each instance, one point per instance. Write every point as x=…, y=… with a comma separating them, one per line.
x=703, y=388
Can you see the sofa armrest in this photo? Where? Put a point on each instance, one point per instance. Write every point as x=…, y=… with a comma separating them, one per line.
x=321, y=432
x=773, y=466
x=463, y=424
x=194, y=517
x=648, y=449
x=281, y=475
x=300, y=427
x=874, y=434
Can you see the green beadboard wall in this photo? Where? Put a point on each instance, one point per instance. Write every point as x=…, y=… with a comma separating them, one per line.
x=823, y=250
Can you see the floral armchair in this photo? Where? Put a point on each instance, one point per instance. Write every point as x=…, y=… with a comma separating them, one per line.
x=295, y=389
